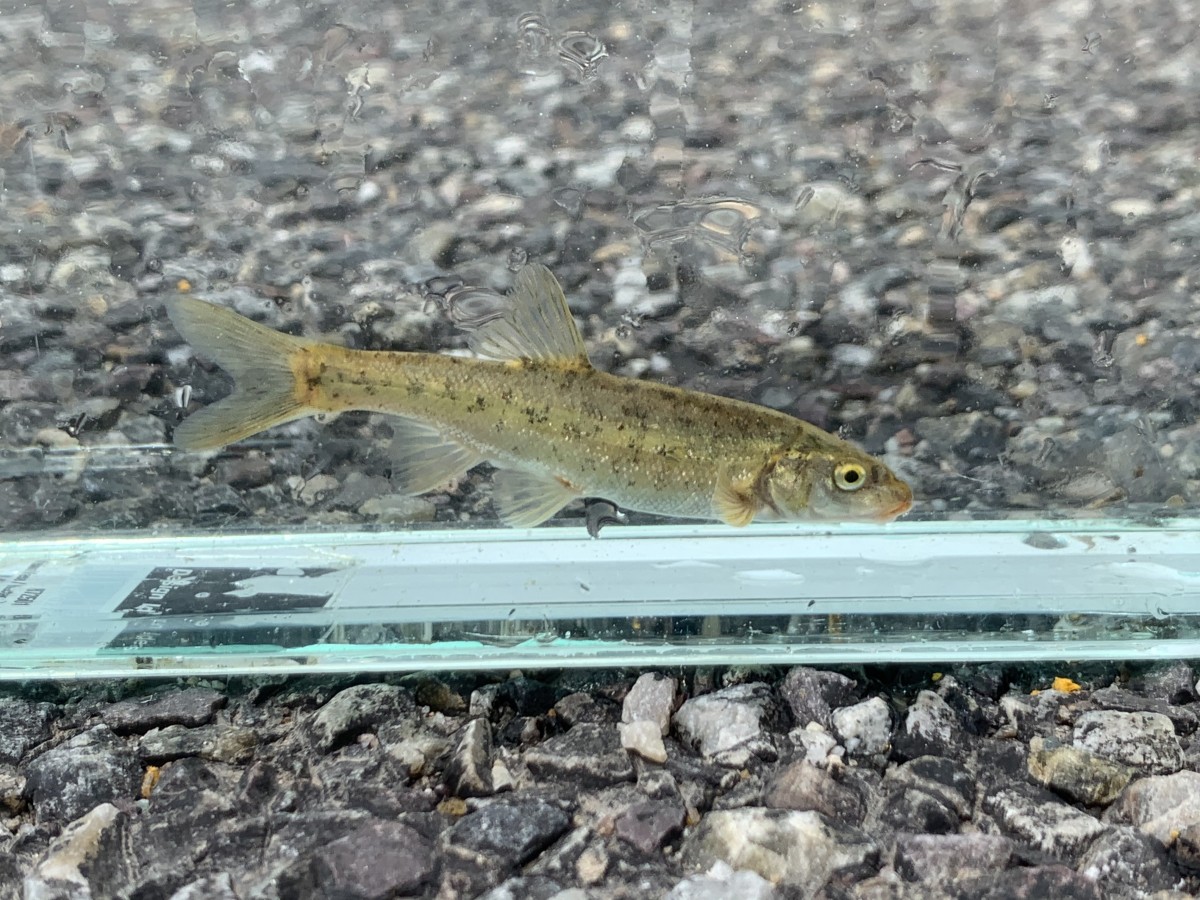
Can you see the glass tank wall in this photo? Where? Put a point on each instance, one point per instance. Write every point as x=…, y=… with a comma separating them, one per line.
x=962, y=236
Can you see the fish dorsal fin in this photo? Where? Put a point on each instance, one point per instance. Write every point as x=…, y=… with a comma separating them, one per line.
x=536, y=325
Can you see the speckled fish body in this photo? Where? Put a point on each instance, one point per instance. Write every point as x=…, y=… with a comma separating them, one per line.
x=557, y=428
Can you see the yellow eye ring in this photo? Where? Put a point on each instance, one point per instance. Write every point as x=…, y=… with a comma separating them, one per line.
x=849, y=476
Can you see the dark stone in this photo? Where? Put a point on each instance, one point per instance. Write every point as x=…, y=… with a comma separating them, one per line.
x=947, y=780
x=915, y=811
x=931, y=728
x=1040, y=820
x=589, y=755
x=1000, y=762
x=938, y=859
x=190, y=707
x=1131, y=857
x=528, y=696
x=524, y=887
x=224, y=743
x=1186, y=848
x=469, y=770
x=804, y=786
x=1039, y=883
x=506, y=834
x=1126, y=701
x=376, y=861
x=1174, y=683
x=22, y=725
x=649, y=825
x=812, y=694
x=74, y=777
x=359, y=709
x=579, y=708
x=210, y=887
x=435, y=693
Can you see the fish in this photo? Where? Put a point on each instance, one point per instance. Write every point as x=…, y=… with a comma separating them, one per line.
x=556, y=428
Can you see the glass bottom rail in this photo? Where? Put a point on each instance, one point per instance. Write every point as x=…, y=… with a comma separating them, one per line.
x=928, y=592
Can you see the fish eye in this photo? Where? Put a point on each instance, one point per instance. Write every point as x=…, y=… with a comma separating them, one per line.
x=849, y=476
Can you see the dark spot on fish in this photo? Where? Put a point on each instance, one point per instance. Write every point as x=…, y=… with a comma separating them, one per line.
x=506, y=395
x=479, y=405
x=414, y=389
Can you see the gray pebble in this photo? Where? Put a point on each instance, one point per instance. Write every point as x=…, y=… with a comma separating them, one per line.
x=1046, y=824
x=587, y=755
x=865, y=729
x=1129, y=857
x=221, y=743
x=469, y=768
x=931, y=728
x=652, y=698
x=812, y=694
x=1145, y=741
x=23, y=725
x=77, y=775
x=783, y=846
x=802, y=786
x=358, y=709
x=190, y=707
x=722, y=883
x=376, y=861
x=732, y=718
x=509, y=833
x=647, y=826
x=942, y=859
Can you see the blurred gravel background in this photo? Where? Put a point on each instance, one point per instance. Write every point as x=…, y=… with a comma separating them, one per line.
x=961, y=234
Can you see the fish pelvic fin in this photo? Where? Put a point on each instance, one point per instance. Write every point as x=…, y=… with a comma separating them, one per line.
x=263, y=363
x=525, y=499
x=537, y=325
x=424, y=459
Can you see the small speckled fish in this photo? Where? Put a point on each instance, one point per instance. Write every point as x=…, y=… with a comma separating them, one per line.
x=556, y=428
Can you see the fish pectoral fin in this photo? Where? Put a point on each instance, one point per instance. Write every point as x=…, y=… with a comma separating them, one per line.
x=734, y=504
x=524, y=499
x=536, y=325
x=423, y=458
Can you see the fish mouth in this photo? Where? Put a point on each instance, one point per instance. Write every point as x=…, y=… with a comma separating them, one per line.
x=896, y=510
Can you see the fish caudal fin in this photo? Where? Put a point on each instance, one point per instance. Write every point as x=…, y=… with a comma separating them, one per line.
x=260, y=361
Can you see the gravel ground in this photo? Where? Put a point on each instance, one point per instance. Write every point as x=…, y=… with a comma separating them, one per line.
x=962, y=235
x=698, y=785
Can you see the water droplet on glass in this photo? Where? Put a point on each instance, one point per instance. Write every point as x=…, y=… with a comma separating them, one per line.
x=517, y=258
x=533, y=45
x=581, y=54
x=723, y=223
x=469, y=307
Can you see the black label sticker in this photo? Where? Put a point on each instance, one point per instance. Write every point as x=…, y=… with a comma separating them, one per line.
x=187, y=591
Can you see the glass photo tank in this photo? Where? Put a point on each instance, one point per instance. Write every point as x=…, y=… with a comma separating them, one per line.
x=365, y=335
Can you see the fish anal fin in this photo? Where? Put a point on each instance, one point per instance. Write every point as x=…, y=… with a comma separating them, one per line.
x=734, y=504
x=424, y=459
x=525, y=499
x=537, y=324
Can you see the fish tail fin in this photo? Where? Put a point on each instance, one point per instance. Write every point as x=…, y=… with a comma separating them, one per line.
x=266, y=392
